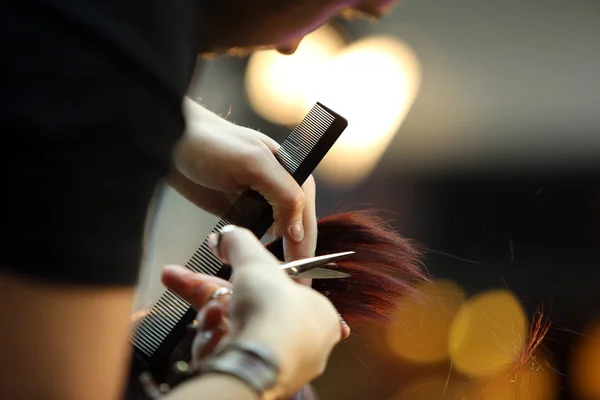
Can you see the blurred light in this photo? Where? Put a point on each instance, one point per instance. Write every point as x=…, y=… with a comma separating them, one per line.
x=585, y=364
x=277, y=85
x=436, y=387
x=421, y=335
x=489, y=334
x=372, y=83
x=533, y=380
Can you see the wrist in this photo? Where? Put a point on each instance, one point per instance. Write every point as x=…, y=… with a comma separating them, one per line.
x=251, y=363
x=285, y=355
x=214, y=386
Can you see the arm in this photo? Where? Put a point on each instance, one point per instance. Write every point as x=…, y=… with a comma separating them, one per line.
x=63, y=342
x=213, y=387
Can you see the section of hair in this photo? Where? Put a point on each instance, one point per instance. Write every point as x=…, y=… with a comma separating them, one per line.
x=386, y=265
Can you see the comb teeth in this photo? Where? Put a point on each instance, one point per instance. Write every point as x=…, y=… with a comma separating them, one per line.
x=163, y=327
x=304, y=138
x=158, y=323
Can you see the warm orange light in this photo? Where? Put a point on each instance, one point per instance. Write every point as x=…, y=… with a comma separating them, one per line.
x=436, y=387
x=373, y=83
x=421, y=335
x=533, y=380
x=277, y=85
x=585, y=364
x=489, y=334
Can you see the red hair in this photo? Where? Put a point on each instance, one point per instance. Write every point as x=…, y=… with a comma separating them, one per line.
x=386, y=265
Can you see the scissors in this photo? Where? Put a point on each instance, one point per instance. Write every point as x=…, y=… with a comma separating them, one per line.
x=309, y=267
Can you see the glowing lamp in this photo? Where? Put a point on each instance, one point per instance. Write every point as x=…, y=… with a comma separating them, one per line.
x=277, y=85
x=373, y=83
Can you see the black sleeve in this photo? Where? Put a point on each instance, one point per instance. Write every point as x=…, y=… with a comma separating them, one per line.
x=90, y=111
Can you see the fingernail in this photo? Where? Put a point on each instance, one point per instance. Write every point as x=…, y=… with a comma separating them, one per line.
x=343, y=321
x=297, y=231
x=228, y=228
x=346, y=331
x=212, y=240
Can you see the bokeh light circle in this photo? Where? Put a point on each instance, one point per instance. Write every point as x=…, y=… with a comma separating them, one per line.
x=421, y=334
x=585, y=364
x=372, y=83
x=277, y=85
x=488, y=334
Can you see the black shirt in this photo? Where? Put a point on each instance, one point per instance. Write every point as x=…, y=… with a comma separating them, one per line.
x=91, y=109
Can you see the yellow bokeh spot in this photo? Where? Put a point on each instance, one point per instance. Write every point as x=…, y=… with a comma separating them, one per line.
x=585, y=364
x=421, y=334
x=535, y=379
x=488, y=335
x=277, y=85
x=373, y=83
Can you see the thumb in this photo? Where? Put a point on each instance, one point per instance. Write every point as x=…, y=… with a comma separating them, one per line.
x=239, y=248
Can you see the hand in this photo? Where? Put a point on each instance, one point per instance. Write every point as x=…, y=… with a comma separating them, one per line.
x=265, y=297
x=213, y=315
x=218, y=160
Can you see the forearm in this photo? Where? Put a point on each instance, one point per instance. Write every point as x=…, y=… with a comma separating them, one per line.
x=62, y=342
x=213, y=387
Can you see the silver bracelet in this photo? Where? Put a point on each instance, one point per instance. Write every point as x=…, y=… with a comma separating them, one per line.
x=252, y=363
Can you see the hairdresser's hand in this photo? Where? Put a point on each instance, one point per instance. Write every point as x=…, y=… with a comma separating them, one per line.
x=307, y=325
x=213, y=316
x=218, y=160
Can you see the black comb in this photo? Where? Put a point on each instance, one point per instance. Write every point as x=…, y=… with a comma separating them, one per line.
x=163, y=328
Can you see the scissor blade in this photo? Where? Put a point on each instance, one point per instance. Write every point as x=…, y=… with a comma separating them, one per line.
x=299, y=266
x=322, y=273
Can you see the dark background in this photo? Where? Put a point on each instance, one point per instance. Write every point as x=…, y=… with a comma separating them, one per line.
x=470, y=222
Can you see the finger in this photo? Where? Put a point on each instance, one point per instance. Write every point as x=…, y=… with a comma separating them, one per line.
x=194, y=288
x=306, y=248
x=269, y=142
x=209, y=316
x=345, y=328
x=294, y=250
x=213, y=201
x=264, y=174
x=273, y=233
x=239, y=248
x=207, y=340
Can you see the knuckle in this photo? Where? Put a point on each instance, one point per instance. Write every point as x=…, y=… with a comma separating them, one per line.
x=297, y=201
x=252, y=159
